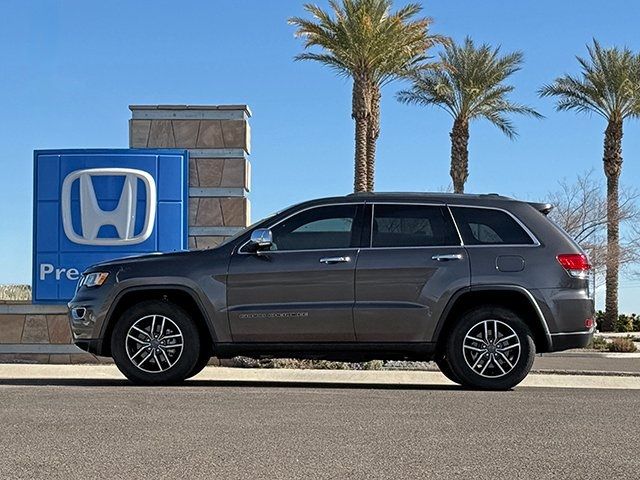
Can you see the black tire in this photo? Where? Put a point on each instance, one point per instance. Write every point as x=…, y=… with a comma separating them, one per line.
x=503, y=364
x=445, y=368
x=203, y=361
x=149, y=373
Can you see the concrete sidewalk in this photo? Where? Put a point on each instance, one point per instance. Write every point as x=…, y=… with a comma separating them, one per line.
x=43, y=374
x=586, y=362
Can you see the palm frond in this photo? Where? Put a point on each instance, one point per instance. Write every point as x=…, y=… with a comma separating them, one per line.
x=608, y=84
x=503, y=123
x=469, y=84
x=366, y=39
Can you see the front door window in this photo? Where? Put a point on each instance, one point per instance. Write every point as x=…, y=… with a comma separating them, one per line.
x=320, y=228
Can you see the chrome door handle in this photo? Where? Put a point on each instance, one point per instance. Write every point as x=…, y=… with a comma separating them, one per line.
x=329, y=260
x=445, y=257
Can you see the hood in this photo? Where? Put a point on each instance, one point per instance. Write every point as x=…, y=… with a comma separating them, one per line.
x=147, y=257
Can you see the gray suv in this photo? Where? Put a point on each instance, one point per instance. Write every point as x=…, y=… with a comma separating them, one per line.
x=477, y=283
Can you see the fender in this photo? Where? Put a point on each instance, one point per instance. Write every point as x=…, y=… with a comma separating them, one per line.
x=497, y=287
x=160, y=284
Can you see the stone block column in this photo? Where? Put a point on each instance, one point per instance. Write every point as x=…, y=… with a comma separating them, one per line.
x=218, y=138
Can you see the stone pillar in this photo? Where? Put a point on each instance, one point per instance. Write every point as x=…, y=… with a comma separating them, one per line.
x=218, y=139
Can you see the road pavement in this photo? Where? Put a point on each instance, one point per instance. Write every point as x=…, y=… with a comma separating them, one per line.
x=74, y=428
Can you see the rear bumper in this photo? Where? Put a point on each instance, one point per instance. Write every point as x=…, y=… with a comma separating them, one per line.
x=569, y=315
x=568, y=340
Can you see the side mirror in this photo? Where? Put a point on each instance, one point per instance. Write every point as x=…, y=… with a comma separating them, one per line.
x=261, y=239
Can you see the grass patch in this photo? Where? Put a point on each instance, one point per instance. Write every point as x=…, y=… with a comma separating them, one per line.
x=246, y=362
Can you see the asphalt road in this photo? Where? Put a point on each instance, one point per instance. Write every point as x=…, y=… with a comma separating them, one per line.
x=108, y=429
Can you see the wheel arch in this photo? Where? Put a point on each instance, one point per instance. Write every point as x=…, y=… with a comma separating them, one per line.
x=514, y=297
x=180, y=295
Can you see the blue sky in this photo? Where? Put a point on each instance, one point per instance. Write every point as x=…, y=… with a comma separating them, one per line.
x=69, y=70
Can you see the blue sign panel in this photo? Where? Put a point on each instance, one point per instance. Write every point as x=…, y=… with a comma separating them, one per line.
x=97, y=205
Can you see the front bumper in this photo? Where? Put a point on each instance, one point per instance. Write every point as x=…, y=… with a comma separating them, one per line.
x=93, y=345
x=87, y=312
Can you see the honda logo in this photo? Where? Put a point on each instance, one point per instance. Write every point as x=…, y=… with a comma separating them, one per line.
x=123, y=217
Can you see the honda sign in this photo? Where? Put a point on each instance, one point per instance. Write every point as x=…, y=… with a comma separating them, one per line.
x=96, y=205
x=123, y=217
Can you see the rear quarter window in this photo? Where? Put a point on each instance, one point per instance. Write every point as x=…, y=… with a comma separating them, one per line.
x=484, y=226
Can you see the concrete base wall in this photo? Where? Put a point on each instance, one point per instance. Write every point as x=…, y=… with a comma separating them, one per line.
x=38, y=334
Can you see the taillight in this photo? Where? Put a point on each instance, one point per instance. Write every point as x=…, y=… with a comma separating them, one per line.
x=576, y=264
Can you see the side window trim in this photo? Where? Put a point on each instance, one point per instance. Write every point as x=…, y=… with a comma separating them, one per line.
x=422, y=204
x=359, y=208
x=534, y=239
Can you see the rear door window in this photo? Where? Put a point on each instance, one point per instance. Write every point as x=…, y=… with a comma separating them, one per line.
x=412, y=226
x=484, y=226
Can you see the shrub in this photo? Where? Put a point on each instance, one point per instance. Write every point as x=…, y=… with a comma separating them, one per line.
x=622, y=345
x=373, y=365
x=598, y=343
x=15, y=293
x=624, y=323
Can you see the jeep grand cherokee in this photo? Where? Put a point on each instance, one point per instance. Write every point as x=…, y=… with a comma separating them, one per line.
x=478, y=283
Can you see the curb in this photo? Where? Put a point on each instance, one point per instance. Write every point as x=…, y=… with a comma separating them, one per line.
x=545, y=371
x=87, y=375
x=593, y=373
x=587, y=354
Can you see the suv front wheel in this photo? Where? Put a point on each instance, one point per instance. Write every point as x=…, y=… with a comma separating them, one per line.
x=155, y=342
x=490, y=348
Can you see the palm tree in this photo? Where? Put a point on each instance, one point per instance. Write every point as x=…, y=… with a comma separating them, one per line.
x=364, y=40
x=608, y=85
x=468, y=85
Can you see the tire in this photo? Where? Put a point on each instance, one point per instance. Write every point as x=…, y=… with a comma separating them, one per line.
x=151, y=359
x=203, y=360
x=480, y=360
x=445, y=368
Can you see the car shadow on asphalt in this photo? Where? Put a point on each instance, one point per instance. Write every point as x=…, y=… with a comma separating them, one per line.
x=92, y=382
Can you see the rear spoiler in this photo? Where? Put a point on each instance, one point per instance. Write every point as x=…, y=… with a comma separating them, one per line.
x=543, y=208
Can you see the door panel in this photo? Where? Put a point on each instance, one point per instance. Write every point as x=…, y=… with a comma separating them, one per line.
x=405, y=278
x=291, y=297
x=401, y=293
x=302, y=289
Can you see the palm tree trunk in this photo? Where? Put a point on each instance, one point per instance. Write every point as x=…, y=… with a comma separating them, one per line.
x=612, y=169
x=359, y=112
x=373, y=132
x=459, y=154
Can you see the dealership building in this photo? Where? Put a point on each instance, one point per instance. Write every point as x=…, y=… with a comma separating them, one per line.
x=182, y=183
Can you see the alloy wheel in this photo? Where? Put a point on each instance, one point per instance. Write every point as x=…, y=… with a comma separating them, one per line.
x=491, y=348
x=154, y=343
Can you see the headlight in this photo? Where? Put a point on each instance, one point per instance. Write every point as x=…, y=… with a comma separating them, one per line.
x=94, y=279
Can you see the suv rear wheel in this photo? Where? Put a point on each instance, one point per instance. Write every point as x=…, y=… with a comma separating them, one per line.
x=490, y=348
x=155, y=342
